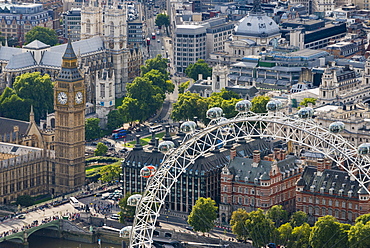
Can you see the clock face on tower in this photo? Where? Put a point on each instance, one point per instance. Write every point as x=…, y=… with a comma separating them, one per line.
x=62, y=98
x=79, y=97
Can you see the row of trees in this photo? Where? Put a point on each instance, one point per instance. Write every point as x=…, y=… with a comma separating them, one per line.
x=190, y=105
x=145, y=95
x=274, y=226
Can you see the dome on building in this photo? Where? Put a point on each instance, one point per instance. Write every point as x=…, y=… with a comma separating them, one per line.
x=257, y=25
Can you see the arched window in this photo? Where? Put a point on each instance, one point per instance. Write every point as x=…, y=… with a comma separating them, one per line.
x=111, y=28
x=88, y=27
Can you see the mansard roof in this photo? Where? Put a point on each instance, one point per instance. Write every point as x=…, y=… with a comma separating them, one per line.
x=247, y=172
x=337, y=181
x=209, y=162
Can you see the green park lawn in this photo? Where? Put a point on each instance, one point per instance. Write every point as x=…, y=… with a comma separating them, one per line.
x=144, y=141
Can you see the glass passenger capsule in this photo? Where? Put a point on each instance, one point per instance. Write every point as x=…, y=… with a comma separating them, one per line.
x=213, y=113
x=133, y=200
x=336, y=127
x=274, y=105
x=188, y=127
x=125, y=232
x=304, y=113
x=165, y=146
x=148, y=171
x=243, y=106
x=364, y=148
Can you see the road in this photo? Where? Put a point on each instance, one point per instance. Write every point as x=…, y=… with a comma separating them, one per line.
x=39, y=215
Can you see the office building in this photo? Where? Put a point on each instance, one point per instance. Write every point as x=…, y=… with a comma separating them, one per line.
x=72, y=24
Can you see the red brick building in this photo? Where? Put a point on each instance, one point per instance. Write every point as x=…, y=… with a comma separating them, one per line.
x=323, y=190
x=256, y=183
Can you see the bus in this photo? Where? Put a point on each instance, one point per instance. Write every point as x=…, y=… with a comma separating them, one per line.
x=74, y=202
x=156, y=128
x=119, y=133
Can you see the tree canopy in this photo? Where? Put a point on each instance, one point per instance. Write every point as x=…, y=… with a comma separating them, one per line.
x=161, y=80
x=261, y=229
x=45, y=35
x=146, y=94
x=157, y=63
x=298, y=218
x=109, y=172
x=259, y=104
x=14, y=107
x=28, y=89
x=38, y=90
x=101, y=149
x=308, y=100
x=183, y=86
x=203, y=215
x=115, y=119
x=238, y=224
x=328, y=232
x=190, y=104
x=149, y=96
x=358, y=235
x=127, y=212
x=200, y=67
x=278, y=215
x=92, y=129
x=162, y=20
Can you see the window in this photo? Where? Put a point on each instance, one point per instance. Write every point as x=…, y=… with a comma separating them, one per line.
x=102, y=91
x=330, y=202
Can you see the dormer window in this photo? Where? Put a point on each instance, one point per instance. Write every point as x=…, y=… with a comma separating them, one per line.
x=331, y=191
x=350, y=192
x=340, y=192
x=312, y=188
x=322, y=189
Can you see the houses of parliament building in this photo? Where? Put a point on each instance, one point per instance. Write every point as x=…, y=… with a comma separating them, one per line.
x=38, y=162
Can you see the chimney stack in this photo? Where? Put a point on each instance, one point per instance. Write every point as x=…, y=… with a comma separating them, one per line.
x=283, y=154
x=167, y=136
x=152, y=140
x=155, y=148
x=320, y=165
x=232, y=153
x=138, y=145
x=275, y=153
x=256, y=156
x=327, y=164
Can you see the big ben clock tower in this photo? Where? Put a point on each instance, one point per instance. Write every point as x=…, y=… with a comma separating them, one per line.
x=69, y=105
